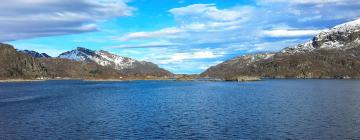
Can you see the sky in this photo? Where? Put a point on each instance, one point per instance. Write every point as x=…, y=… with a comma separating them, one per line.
x=183, y=36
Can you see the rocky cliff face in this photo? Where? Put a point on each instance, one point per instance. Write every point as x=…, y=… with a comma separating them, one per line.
x=334, y=53
x=126, y=66
x=16, y=65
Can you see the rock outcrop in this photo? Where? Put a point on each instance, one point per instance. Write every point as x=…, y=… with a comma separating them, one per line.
x=15, y=65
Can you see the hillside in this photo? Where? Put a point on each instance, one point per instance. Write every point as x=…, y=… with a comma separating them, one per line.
x=126, y=66
x=334, y=53
x=17, y=64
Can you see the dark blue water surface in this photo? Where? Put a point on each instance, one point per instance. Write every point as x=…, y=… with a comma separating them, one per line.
x=271, y=109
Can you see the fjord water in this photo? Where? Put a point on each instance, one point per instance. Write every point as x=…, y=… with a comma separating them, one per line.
x=270, y=109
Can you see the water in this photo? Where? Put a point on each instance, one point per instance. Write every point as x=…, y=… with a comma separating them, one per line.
x=271, y=109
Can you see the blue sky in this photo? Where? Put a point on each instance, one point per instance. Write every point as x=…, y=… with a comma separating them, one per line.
x=183, y=36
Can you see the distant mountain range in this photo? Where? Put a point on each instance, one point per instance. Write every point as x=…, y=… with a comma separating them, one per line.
x=334, y=53
x=81, y=63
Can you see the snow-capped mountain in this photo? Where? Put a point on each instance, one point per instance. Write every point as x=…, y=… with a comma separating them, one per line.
x=101, y=57
x=34, y=54
x=334, y=53
x=19, y=65
x=123, y=64
x=342, y=36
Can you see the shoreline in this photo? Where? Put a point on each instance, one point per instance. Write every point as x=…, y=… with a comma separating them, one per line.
x=180, y=80
x=20, y=80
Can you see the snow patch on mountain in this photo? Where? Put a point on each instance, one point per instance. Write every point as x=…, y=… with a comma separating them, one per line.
x=339, y=37
x=348, y=25
x=74, y=55
x=101, y=57
x=118, y=61
x=250, y=58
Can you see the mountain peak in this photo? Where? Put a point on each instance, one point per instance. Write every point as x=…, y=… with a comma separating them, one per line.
x=82, y=49
x=86, y=51
x=34, y=54
x=123, y=64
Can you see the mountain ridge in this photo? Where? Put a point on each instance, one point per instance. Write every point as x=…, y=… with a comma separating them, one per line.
x=125, y=65
x=34, y=53
x=17, y=64
x=334, y=53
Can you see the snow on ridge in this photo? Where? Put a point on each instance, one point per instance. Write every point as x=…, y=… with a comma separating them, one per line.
x=348, y=24
x=249, y=58
x=75, y=55
x=119, y=61
x=101, y=57
x=343, y=30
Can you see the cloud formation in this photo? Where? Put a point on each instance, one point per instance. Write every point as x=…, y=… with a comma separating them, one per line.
x=180, y=57
x=308, y=1
x=206, y=11
x=145, y=35
x=22, y=19
x=290, y=33
x=269, y=25
x=195, y=20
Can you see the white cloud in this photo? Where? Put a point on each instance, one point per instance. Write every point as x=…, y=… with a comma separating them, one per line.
x=206, y=32
x=156, y=44
x=186, y=61
x=307, y=1
x=204, y=54
x=22, y=19
x=194, y=20
x=180, y=57
x=314, y=10
x=153, y=34
x=290, y=33
x=208, y=11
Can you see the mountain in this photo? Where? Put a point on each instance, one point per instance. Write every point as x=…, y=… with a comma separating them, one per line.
x=64, y=68
x=334, y=53
x=34, y=54
x=18, y=65
x=88, y=64
x=124, y=65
